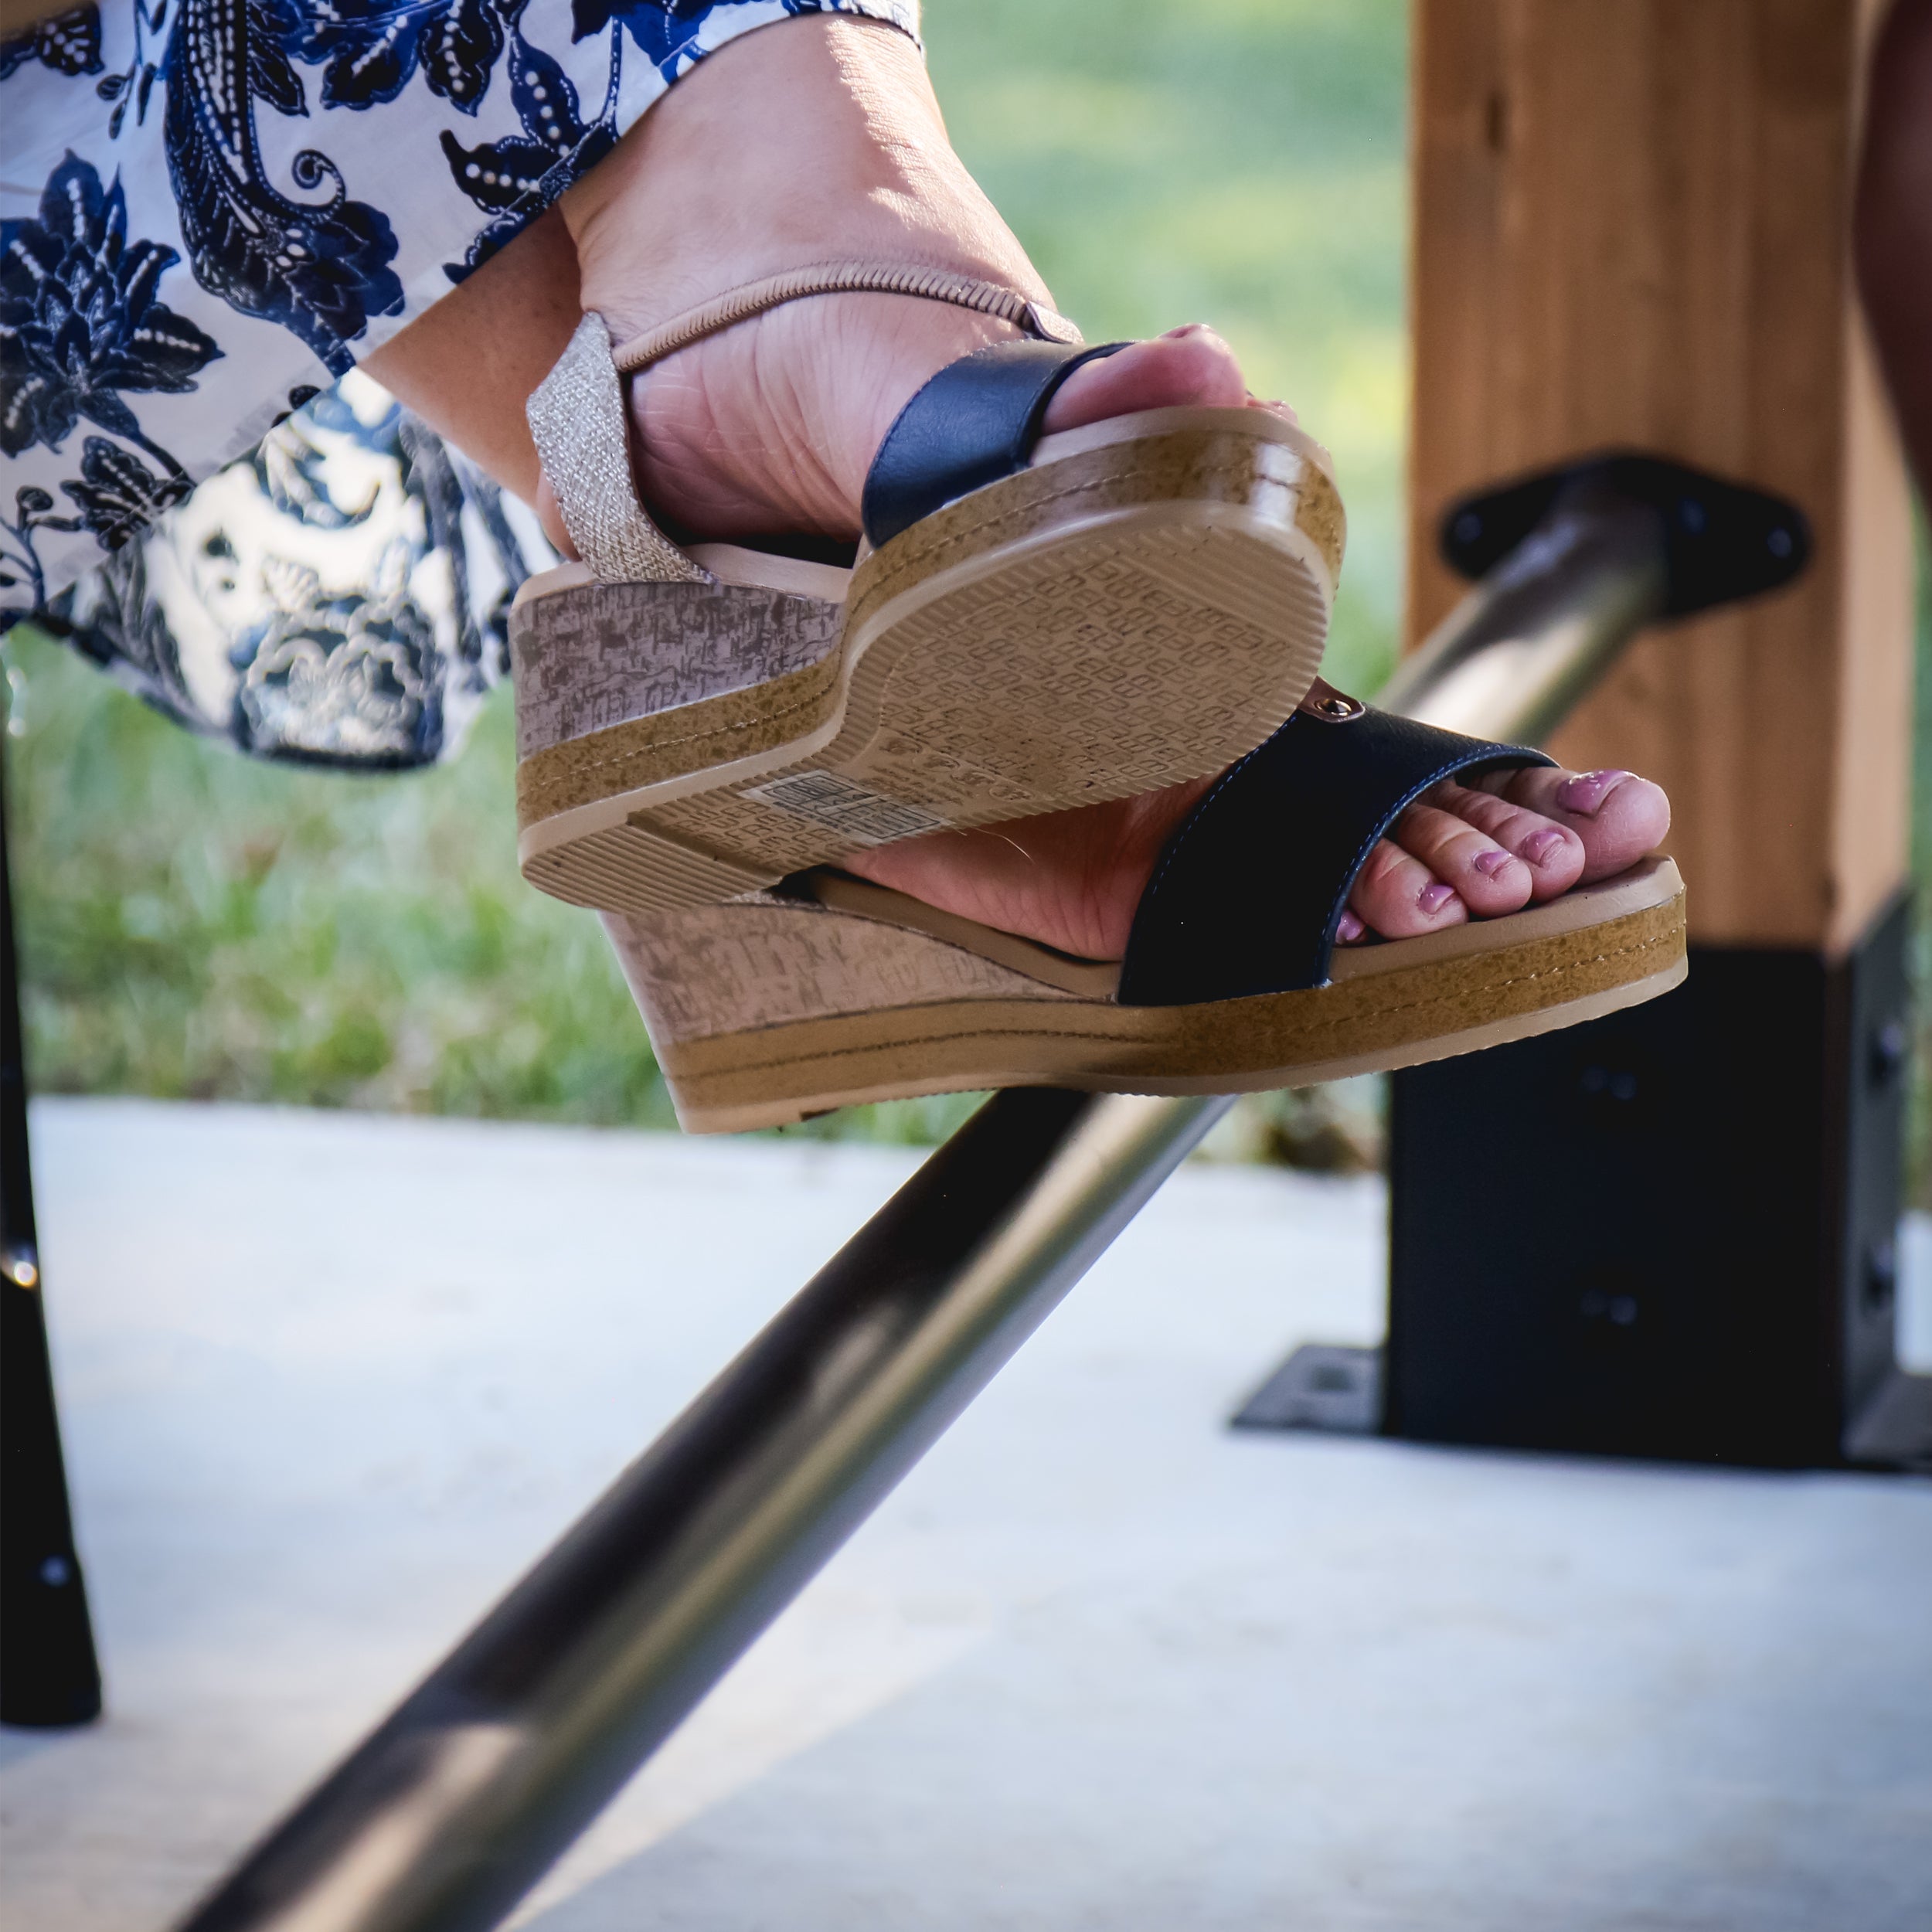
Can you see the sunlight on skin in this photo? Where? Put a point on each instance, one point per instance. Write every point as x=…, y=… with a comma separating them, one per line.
x=771, y=425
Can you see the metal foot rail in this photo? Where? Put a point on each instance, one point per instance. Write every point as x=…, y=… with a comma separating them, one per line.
x=446, y=1814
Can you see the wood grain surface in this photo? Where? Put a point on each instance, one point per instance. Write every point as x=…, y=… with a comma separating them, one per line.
x=1630, y=227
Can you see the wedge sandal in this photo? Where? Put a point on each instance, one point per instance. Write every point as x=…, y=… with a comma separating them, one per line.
x=1032, y=622
x=831, y=990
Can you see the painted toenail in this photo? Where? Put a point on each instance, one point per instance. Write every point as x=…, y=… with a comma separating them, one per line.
x=1274, y=406
x=1185, y=330
x=1434, y=896
x=1588, y=790
x=1490, y=862
x=1347, y=928
x=1539, y=847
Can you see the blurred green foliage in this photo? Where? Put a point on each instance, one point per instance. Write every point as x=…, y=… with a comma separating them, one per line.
x=196, y=926
x=1236, y=161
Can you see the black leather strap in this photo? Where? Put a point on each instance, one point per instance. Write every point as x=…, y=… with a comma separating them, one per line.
x=976, y=421
x=1247, y=894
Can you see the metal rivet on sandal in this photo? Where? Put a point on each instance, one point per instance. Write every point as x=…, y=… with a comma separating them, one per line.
x=1330, y=706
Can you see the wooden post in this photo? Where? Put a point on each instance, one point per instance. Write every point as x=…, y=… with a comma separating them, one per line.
x=1630, y=227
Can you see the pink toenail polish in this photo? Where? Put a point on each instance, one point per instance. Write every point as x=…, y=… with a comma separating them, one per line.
x=1434, y=896
x=1490, y=862
x=1274, y=406
x=1542, y=846
x=1588, y=790
x=1348, y=929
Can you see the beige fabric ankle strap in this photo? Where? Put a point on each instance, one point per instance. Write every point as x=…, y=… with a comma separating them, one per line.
x=582, y=430
x=840, y=278
x=581, y=425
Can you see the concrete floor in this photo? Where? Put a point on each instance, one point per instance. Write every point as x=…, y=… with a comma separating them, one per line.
x=331, y=1382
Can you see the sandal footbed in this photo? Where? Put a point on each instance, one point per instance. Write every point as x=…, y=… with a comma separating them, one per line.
x=854, y=1009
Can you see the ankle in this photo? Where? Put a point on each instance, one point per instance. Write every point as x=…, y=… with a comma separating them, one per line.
x=468, y=362
x=814, y=138
x=771, y=425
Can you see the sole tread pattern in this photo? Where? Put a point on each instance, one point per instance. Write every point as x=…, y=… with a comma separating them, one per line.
x=1132, y=618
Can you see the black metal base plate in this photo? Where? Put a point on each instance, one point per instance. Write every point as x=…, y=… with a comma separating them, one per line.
x=1322, y=1386
x=1894, y=1429
x=1331, y=1388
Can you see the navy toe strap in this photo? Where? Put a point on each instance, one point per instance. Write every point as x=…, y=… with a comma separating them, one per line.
x=1247, y=895
x=976, y=421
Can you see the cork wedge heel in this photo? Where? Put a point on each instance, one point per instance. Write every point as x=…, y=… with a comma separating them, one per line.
x=1033, y=623
x=833, y=991
x=768, y=1012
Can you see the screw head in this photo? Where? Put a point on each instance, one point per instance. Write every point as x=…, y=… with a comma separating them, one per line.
x=1878, y=1288
x=1607, y=1083
x=1891, y=1047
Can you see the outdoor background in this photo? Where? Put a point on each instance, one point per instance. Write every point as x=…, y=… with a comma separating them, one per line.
x=194, y=925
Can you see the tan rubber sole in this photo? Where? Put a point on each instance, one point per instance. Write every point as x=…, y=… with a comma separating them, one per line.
x=1144, y=604
x=1599, y=949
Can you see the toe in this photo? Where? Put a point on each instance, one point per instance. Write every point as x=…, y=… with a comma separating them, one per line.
x=1398, y=897
x=1615, y=816
x=1188, y=366
x=1552, y=854
x=1487, y=877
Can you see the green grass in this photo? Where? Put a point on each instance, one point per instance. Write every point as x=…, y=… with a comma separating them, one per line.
x=196, y=926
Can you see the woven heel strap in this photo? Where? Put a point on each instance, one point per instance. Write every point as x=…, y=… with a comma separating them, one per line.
x=581, y=426
x=582, y=431
x=841, y=278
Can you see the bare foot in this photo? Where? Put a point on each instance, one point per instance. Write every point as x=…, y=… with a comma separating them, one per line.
x=1073, y=879
x=820, y=139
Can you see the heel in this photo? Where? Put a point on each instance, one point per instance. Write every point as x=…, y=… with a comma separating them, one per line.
x=770, y=1010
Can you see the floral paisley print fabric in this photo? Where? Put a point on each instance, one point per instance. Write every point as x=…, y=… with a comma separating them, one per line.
x=210, y=211
x=340, y=595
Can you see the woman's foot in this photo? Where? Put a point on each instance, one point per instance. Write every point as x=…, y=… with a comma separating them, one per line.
x=1074, y=880
x=819, y=139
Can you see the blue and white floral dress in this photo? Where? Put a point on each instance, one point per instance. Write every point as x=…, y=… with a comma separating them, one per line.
x=210, y=211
